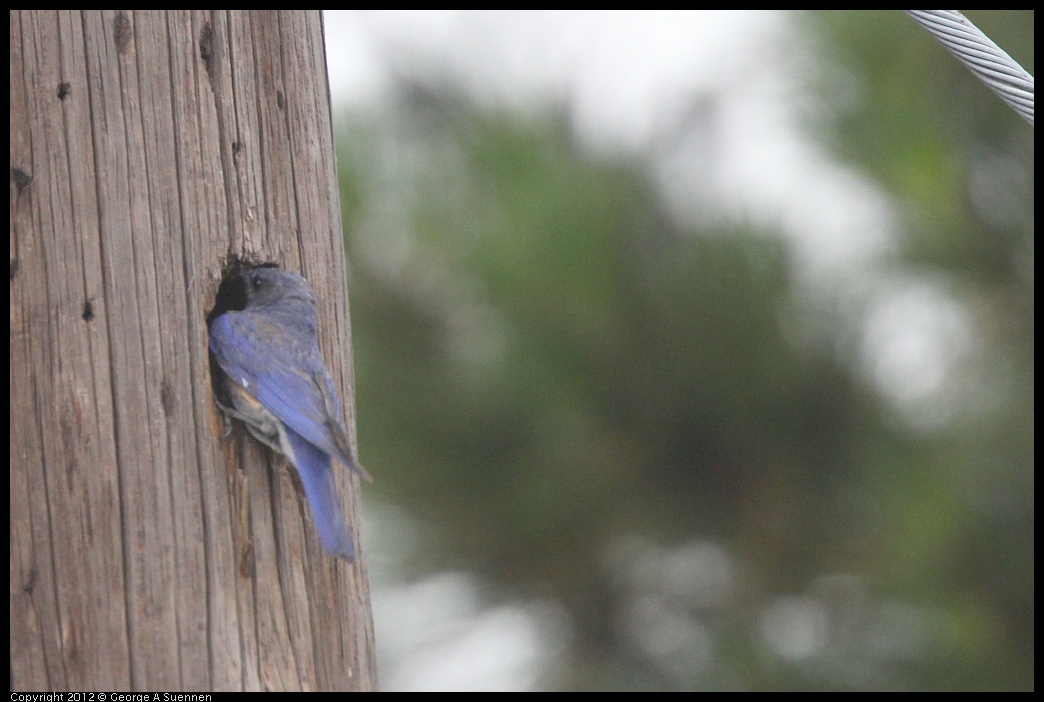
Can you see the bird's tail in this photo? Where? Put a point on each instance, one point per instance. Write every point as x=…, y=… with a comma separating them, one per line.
x=314, y=467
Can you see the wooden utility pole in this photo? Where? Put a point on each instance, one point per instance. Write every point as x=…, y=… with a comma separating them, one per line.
x=149, y=149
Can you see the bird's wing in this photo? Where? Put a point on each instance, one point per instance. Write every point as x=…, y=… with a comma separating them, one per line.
x=280, y=378
x=233, y=343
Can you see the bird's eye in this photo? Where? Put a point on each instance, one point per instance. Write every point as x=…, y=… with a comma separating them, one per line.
x=256, y=282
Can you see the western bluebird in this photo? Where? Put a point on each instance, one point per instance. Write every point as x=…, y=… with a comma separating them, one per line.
x=282, y=391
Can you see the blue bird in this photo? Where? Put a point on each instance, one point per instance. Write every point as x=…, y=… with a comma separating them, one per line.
x=283, y=392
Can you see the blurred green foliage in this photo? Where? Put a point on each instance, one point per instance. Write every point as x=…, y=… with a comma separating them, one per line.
x=577, y=393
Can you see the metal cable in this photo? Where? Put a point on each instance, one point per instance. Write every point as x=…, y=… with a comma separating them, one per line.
x=982, y=57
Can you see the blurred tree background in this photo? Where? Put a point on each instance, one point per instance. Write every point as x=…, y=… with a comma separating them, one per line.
x=687, y=465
